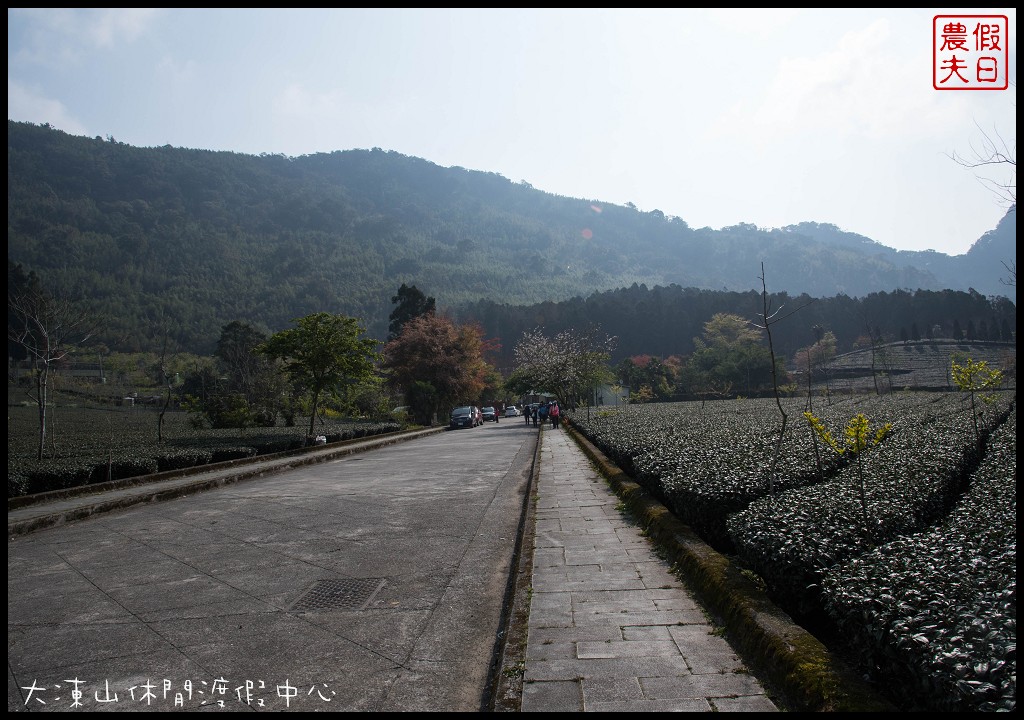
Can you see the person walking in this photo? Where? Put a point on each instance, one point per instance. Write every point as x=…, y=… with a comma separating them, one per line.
x=527, y=413
x=555, y=414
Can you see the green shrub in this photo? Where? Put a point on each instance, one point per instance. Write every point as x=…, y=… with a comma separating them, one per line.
x=232, y=453
x=60, y=474
x=183, y=458
x=17, y=485
x=120, y=467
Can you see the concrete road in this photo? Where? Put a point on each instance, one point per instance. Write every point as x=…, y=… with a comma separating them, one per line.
x=370, y=583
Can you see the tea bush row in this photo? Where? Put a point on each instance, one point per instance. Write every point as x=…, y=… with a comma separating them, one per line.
x=93, y=446
x=706, y=461
x=935, y=613
x=709, y=463
x=912, y=480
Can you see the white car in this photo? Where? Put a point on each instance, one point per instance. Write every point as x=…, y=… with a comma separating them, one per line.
x=511, y=411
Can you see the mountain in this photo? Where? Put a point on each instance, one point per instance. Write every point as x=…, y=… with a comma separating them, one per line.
x=179, y=242
x=981, y=267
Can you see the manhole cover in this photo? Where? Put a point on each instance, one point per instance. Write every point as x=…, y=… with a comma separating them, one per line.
x=338, y=595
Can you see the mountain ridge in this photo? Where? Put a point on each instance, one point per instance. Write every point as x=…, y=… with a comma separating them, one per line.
x=193, y=239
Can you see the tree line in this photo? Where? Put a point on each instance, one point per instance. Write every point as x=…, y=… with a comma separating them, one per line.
x=431, y=361
x=324, y=363
x=669, y=321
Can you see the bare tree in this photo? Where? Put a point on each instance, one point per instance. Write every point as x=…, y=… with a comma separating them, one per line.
x=167, y=379
x=1011, y=279
x=770, y=317
x=48, y=328
x=996, y=160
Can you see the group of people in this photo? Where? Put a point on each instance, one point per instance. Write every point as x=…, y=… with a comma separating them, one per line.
x=540, y=414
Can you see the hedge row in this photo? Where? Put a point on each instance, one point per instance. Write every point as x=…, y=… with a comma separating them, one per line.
x=936, y=612
x=85, y=460
x=804, y=527
x=706, y=461
x=911, y=481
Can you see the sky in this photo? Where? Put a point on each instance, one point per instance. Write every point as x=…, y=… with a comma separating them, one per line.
x=719, y=117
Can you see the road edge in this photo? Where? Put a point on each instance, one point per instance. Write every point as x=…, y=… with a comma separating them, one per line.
x=504, y=691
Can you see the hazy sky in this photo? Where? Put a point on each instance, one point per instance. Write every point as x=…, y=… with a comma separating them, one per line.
x=770, y=117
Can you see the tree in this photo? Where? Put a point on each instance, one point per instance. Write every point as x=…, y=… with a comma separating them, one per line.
x=817, y=358
x=858, y=439
x=247, y=389
x=643, y=395
x=411, y=303
x=771, y=317
x=248, y=372
x=874, y=339
x=730, y=331
x=324, y=353
x=48, y=329
x=880, y=352
x=237, y=350
x=1005, y=332
x=974, y=378
x=167, y=380
x=437, y=364
x=730, y=354
x=569, y=364
x=822, y=354
x=958, y=333
x=998, y=158
x=658, y=376
x=1011, y=279
x=18, y=283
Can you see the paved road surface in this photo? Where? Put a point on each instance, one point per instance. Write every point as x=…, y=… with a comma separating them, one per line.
x=368, y=583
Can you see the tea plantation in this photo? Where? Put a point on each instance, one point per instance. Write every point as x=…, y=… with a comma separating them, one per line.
x=904, y=552
x=93, y=444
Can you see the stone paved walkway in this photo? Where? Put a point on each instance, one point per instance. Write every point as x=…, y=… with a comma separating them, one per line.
x=611, y=628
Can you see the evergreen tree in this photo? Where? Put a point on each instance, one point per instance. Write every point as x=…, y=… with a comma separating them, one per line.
x=411, y=303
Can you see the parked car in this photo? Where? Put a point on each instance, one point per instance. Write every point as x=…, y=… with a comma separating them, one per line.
x=466, y=416
x=489, y=414
x=511, y=411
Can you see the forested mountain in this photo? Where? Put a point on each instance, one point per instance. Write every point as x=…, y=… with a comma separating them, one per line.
x=179, y=242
